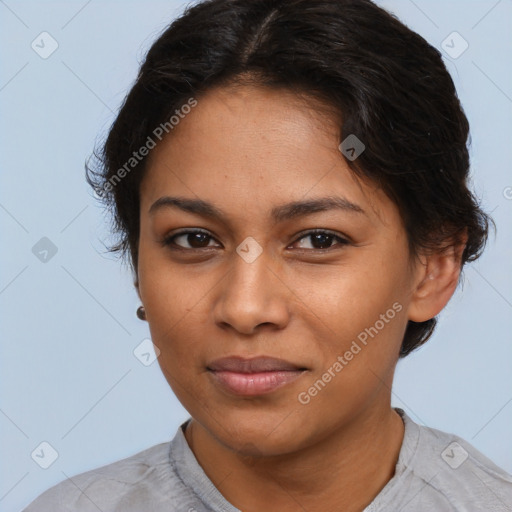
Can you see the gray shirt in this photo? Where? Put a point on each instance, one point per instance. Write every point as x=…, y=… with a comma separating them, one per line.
x=435, y=471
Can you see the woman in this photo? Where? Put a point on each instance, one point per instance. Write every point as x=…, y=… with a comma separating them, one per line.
x=289, y=180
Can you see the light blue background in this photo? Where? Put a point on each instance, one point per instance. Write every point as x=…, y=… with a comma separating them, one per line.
x=67, y=369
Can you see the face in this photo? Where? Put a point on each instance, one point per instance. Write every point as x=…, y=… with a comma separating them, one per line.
x=323, y=287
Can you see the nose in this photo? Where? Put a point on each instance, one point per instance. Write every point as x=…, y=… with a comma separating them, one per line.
x=252, y=294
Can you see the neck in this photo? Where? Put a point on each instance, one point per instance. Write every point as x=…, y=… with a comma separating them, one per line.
x=344, y=471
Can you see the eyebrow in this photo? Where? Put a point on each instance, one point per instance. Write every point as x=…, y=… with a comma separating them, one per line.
x=278, y=214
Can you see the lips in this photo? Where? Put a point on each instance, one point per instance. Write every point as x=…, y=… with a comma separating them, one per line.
x=252, y=377
x=254, y=365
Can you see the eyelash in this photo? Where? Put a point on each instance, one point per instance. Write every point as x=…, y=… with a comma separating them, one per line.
x=168, y=241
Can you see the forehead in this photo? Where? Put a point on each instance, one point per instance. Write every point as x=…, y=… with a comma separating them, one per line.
x=249, y=149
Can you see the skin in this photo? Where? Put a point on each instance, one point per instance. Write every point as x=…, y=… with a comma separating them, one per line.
x=247, y=150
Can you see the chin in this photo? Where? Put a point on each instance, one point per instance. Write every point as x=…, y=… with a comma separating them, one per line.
x=256, y=433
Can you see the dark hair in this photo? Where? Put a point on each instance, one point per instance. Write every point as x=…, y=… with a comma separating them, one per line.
x=390, y=86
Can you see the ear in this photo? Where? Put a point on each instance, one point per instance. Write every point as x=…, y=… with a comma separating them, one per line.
x=437, y=278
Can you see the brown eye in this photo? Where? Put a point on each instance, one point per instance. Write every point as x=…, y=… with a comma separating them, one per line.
x=321, y=240
x=195, y=239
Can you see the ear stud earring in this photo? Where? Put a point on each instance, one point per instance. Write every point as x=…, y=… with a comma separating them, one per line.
x=141, y=313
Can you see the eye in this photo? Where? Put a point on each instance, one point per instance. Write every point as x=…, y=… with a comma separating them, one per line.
x=321, y=240
x=196, y=238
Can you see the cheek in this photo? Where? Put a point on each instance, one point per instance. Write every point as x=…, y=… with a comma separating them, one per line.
x=169, y=290
x=170, y=299
x=357, y=363
x=350, y=299
x=360, y=315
